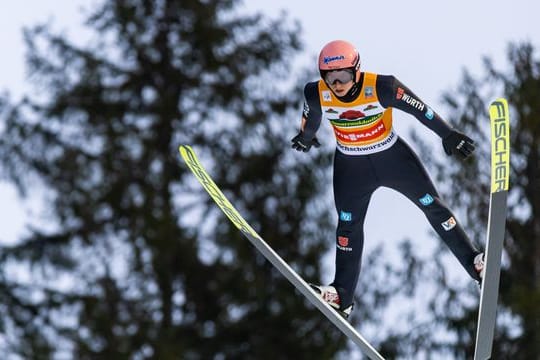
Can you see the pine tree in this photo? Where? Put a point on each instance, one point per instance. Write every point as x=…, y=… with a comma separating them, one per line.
x=455, y=308
x=137, y=263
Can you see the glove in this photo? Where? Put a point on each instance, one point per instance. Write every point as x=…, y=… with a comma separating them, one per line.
x=458, y=144
x=300, y=143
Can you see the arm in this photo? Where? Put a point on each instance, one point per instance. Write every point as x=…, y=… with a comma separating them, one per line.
x=311, y=120
x=393, y=93
x=312, y=115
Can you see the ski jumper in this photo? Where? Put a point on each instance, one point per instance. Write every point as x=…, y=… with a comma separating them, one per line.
x=369, y=154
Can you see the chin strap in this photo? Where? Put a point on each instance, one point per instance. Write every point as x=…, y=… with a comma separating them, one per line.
x=351, y=94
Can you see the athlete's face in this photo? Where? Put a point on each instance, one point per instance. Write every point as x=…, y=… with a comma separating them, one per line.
x=340, y=81
x=340, y=89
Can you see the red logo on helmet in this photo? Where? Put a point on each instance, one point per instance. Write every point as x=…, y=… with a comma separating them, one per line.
x=343, y=241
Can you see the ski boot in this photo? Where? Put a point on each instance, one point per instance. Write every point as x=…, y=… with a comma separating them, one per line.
x=479, y=266
x=331, y=296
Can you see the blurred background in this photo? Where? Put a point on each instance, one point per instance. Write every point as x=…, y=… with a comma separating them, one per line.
x=109, y=248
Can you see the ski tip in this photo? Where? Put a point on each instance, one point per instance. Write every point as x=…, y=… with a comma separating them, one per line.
x=185, y=151
x=184, y=148
x=499, y=102
x=500, y=145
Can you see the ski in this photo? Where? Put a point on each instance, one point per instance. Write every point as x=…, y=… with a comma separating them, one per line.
x=500, y=173
x=213, y=190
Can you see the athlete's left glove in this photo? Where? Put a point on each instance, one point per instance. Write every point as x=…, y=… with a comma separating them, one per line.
x=458, y=144
x=300, y=143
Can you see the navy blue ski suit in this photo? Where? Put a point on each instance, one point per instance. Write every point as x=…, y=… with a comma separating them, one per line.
x=369, y=154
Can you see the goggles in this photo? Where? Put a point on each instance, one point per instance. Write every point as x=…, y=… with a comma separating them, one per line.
x=343, y=76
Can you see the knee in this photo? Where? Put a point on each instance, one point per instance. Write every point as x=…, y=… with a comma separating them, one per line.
x=438, y=213
x=433, y=206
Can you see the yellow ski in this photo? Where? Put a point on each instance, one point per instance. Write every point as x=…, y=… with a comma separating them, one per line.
x=204, y=178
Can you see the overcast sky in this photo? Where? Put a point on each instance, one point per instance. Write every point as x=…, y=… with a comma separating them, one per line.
x=426, y=44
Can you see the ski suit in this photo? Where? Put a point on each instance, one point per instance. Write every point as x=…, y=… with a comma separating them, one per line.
x=369, y=154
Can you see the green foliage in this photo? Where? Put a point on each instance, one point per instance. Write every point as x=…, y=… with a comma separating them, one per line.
x=137, y=263
x=518, y=328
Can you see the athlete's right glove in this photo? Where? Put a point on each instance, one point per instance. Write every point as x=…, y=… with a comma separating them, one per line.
x=458, y=144
x=300, y=143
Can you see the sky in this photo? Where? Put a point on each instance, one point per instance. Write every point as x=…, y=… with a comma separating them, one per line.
x=426, y=44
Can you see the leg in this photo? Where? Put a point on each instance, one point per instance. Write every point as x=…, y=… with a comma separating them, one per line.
x=353, y=186
x=409, y=177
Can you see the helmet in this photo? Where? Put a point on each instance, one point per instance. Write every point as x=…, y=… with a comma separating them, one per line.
x=338, y=54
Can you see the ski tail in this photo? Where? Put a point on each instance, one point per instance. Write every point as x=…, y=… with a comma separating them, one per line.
x=500, y=176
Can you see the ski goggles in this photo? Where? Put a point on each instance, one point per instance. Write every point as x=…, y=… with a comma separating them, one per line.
x=343, y=76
